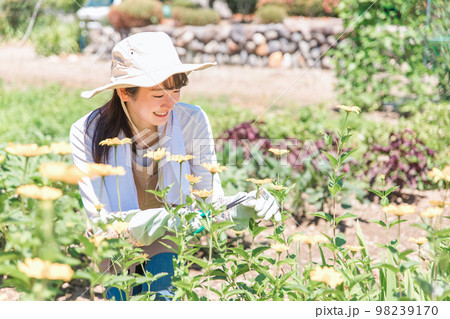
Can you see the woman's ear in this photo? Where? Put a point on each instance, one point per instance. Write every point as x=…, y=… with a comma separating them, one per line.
x=122, y=94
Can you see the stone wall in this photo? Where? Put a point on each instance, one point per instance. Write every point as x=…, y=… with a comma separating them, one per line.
x=297, y=42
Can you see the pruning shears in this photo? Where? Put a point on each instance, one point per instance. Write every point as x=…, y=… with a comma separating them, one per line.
x=229, y=205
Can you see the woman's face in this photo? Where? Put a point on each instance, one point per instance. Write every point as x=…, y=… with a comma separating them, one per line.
x=151, y=107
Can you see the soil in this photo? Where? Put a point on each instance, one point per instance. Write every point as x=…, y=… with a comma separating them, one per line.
x=255, y=88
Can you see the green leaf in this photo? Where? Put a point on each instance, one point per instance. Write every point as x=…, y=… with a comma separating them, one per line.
x=331, y=158
x=346, y=215
x=344, y=156
x=334, y=187
x=323, y=215
x=380, y=194
x=258, y=250
x=242, y=252
x=390, y=190
x=384, y=202
x=379, y=222
x=408, y=264
x=202, y=263
x=391, y=280
x=443, y=261
x=398, y=221
x=341, y=239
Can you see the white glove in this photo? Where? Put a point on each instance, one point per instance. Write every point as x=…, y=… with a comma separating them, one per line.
x=265, y=206
x=148, y=225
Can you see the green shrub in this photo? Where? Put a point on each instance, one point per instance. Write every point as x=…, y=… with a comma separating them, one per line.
x=271, y=13
x=186, y=16
x=185, y=4
x=17, y=14
x=308, y=8
x=135, y=13
x=50, y=36
x=381, y=61
x=242, y=6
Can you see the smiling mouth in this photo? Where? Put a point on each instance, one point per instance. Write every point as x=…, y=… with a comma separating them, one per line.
x=164, y=114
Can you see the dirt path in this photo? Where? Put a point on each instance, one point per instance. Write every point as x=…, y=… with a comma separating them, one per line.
x=257, y=88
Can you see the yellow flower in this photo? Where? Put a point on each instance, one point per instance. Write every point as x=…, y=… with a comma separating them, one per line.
x=179, y=158
x=61, y=172
x=349, y=109
x=157, y=155
x=60, y=272
x=34, y=267
x=419, y=241
x=134, y=242
x=202, y=193
x=437, y=174
x=142, y=255
x=439, y=203
x=36, y=192
x=97, y=239
x=399, y=210
x=43, y=269
x=192, y=179
x=118, y=227
x=2, y=158
x=259, y=181
x=310, y=239
x=278, y=187
x=104, y=170
x=432, y=212
x=27, y=150
x=278, y=151
x=354, y=249
x=279, y=247
x=61, y=148
x=446, y=173
x=115, y=141
x=327, y=275
x=214, y=168
x=99, y=207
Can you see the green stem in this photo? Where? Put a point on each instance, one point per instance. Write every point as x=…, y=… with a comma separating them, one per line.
x=299, y=266
x=278, y=170
x=117, y=183
x=445, y=200
x=398, y=237
x=310, y=255
x=25, y=170
x=181, y=193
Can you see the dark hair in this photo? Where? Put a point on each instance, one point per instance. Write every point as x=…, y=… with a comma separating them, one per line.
x=112, y=119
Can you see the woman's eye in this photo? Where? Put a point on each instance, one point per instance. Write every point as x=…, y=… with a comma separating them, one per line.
x=158, y=96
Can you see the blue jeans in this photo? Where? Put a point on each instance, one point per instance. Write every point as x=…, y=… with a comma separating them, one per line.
x=157, y=264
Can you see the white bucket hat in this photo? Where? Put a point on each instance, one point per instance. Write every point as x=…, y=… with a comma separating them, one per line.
x=144, y=60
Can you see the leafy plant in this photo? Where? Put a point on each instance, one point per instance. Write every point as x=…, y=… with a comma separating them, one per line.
x=135, y=13
x=271, y=14
x=403, y=161
x=52, y=37
x=242, y=6
x=202, y=16
x=380, y=61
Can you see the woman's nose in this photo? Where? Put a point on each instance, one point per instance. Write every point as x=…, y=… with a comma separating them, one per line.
x=169, y=99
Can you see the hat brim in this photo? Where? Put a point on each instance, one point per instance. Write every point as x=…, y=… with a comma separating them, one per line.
x=148, y=79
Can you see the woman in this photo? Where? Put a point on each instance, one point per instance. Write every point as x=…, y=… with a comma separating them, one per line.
x=146, y=76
